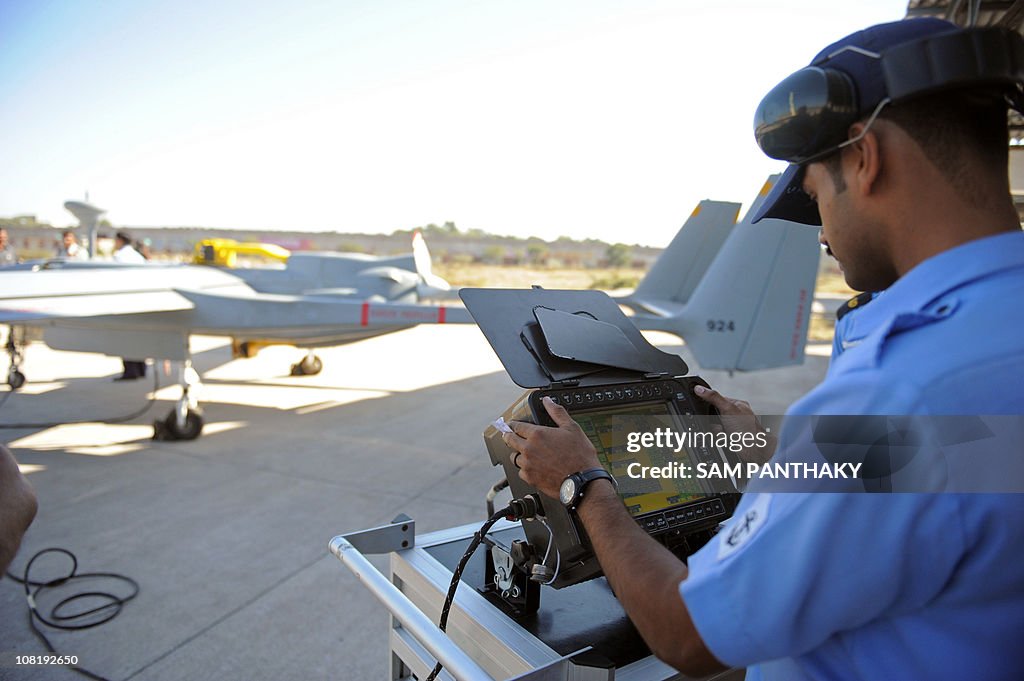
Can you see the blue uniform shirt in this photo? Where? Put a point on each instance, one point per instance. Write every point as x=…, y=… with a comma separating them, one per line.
x=889, y=586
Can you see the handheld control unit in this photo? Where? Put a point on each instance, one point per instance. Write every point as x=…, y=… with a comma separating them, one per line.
x=579, y=349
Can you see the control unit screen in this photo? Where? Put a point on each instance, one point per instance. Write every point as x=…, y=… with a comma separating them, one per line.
x=608, y=430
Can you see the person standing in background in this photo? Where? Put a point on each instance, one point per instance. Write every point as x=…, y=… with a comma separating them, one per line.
x=70, y=249
x=123, y=252
x=7, y=255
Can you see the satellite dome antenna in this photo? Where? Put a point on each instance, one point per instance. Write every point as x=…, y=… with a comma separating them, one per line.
x=88, y=219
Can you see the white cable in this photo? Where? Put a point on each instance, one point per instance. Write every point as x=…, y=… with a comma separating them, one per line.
x=558, y=554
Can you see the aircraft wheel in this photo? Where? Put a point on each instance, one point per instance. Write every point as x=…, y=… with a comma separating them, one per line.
x=16, y=379
x=309, y=366
x=168, y=428
x=193, y=425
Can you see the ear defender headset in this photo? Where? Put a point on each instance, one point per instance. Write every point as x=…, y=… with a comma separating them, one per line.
x=808, y=115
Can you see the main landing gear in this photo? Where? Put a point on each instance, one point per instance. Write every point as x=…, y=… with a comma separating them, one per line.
x=185, y=420
x=310, y=365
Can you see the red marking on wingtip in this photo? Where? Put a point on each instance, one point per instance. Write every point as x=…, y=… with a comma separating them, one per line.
x=441, y=313
x=364, y=317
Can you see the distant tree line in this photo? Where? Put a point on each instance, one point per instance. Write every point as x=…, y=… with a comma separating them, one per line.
x=448, y=243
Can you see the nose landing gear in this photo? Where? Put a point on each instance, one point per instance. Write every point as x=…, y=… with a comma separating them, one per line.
x=15, y=350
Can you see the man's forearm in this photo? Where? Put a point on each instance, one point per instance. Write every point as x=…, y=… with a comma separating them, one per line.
x=645, y=577
x=17, y=507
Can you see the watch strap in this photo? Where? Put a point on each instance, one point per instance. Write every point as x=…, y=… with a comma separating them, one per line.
x=584, y=478
x=591, y=474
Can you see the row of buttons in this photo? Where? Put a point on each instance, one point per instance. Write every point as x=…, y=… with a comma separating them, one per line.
x=681, y=516
x=614, y=395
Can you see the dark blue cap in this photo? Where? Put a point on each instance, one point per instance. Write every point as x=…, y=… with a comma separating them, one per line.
x=787, y=200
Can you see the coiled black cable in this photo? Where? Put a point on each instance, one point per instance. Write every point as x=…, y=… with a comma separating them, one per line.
x=58, y=616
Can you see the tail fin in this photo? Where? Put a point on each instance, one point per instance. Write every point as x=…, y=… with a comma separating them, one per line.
x=751, y=309
x=430, y=285
x=677, y=271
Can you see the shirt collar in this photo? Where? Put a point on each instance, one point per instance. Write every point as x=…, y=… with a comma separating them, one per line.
x=937, y=276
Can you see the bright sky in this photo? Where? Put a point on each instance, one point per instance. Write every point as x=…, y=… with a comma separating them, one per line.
x=585, y=118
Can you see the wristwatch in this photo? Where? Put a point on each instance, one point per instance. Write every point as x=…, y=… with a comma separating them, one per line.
x=571, y=491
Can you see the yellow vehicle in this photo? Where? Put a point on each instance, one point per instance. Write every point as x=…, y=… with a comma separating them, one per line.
x=225, y=252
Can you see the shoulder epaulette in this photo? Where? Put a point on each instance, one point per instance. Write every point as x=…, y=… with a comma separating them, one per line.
x=853, y=303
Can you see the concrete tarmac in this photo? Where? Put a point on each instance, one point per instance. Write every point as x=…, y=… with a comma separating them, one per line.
x=227, y=535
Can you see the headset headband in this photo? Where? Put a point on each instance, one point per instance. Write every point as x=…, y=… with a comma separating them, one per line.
x=808, y=115
x=967, y=58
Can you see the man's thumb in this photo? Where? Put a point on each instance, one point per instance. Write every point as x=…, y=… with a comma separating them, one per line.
x=557, y=412
x=712, y=396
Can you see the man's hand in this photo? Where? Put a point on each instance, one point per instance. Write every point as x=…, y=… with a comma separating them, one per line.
x=548, y=455
x=17, y=507
x=738, y=416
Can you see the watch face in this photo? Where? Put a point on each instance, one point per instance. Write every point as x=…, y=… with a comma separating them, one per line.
x=567, y=491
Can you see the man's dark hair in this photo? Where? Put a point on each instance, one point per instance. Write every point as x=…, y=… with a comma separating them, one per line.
x=963, y=133
x=124, y=236
x=953, y=129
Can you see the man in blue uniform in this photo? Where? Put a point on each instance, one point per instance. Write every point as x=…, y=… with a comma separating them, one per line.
x=912, y=194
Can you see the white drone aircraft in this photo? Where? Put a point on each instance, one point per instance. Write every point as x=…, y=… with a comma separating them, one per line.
x=740, y=294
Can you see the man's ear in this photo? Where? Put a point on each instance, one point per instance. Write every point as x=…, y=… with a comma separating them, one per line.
x=864, y=158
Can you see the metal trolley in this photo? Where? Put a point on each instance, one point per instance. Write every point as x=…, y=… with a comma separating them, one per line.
x=580, y=634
